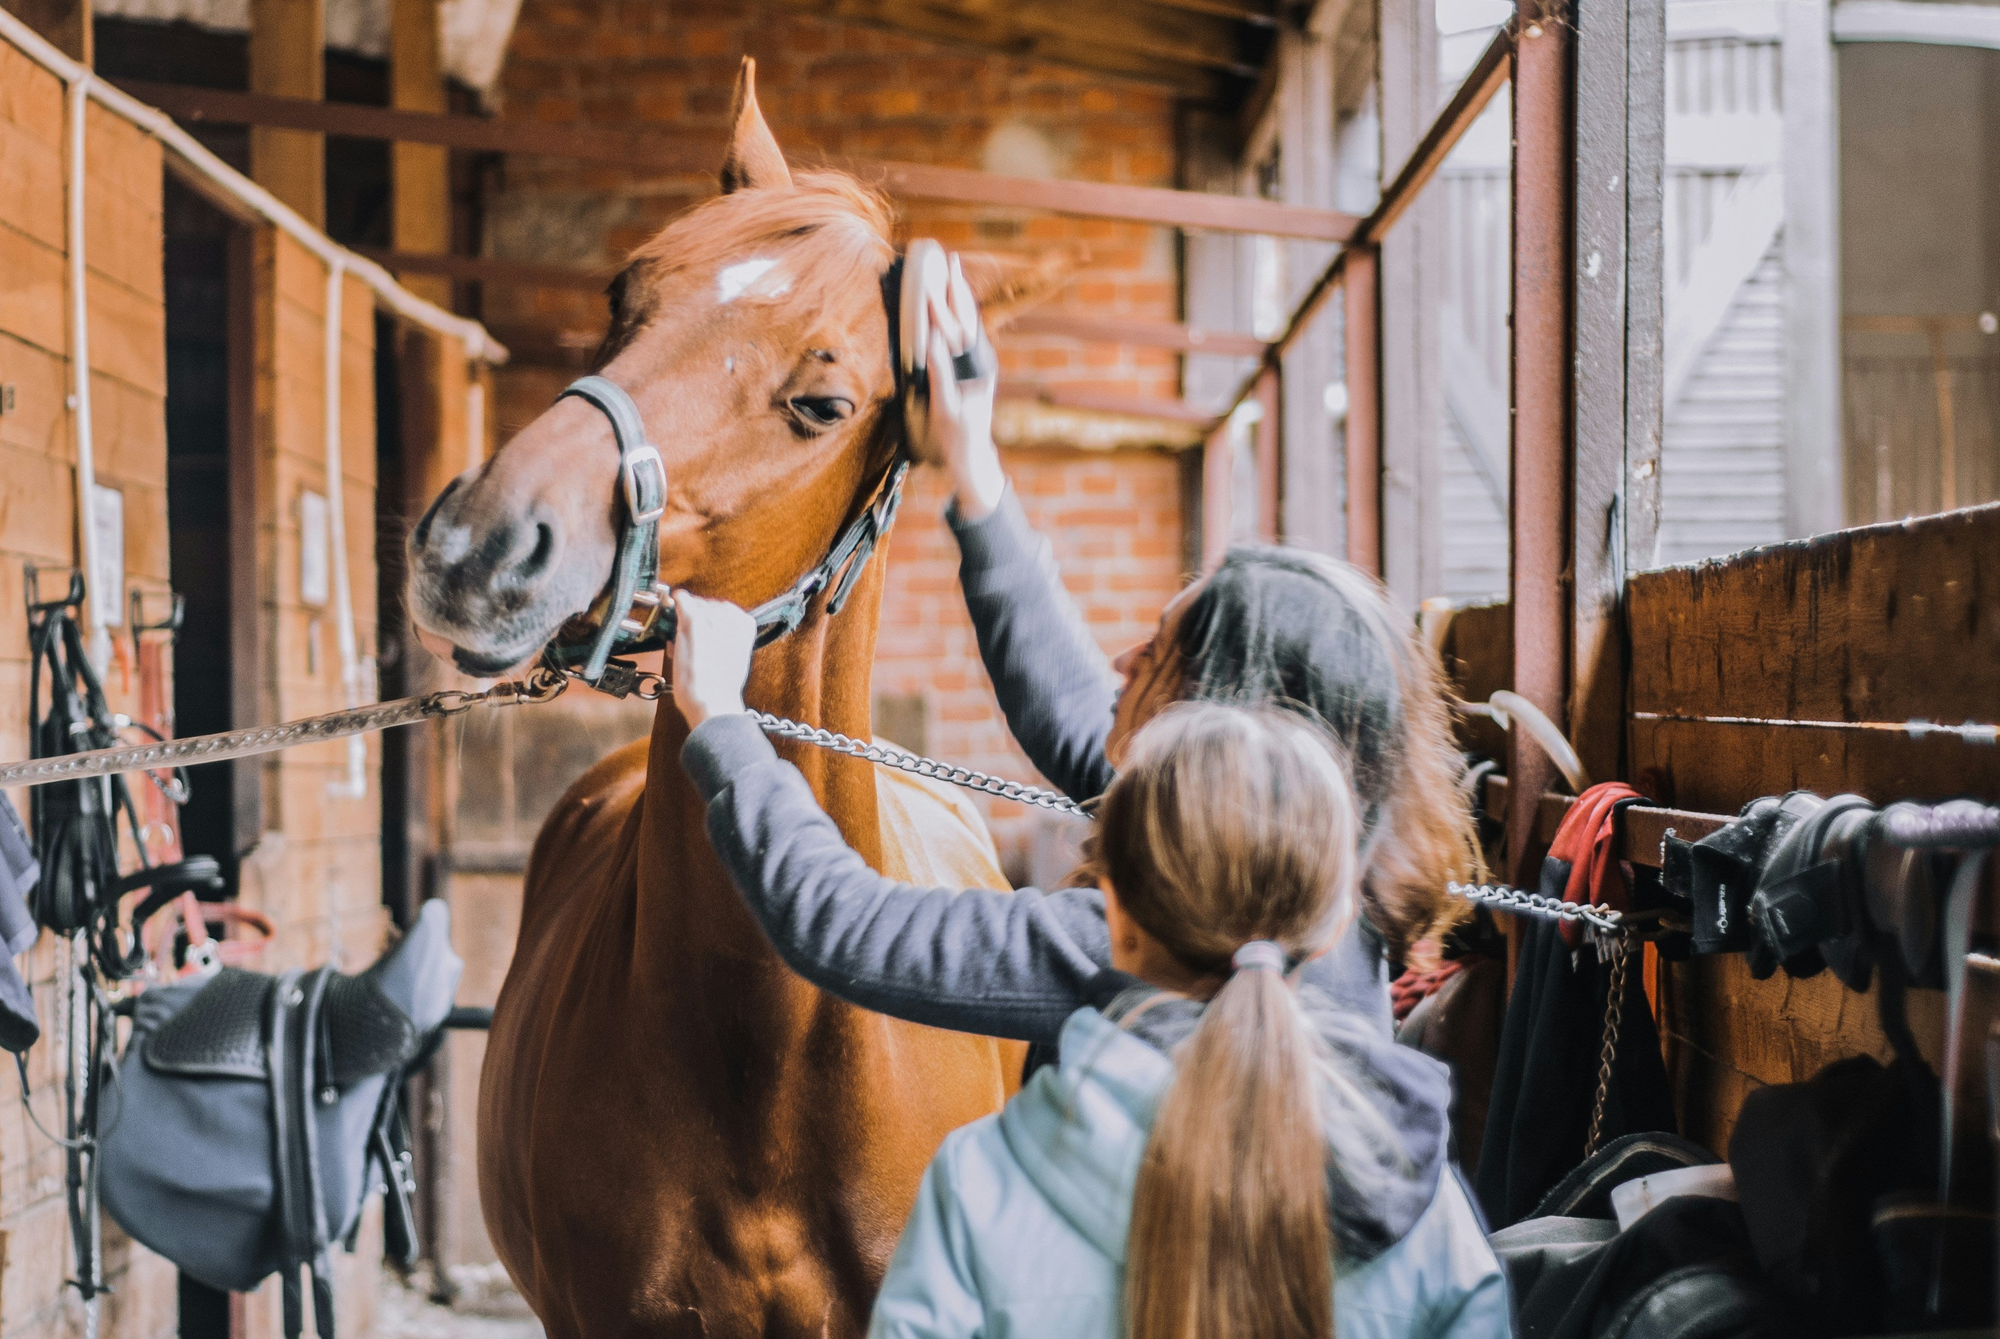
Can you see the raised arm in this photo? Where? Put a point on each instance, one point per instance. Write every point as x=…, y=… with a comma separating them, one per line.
x=1054, y=685
x=996, y=963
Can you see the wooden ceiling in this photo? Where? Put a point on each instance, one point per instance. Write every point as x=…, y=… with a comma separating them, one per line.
x=1209, y=51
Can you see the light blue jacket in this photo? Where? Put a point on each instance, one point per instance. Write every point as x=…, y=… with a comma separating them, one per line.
x=1020, y=1225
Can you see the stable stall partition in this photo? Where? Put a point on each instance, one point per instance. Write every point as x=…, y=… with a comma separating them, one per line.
x=1859, y=662
x=188, y=408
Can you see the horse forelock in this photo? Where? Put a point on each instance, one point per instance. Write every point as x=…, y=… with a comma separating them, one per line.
x=828, y=225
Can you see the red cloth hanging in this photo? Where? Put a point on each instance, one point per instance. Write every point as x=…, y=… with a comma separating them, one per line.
x=1589, y=872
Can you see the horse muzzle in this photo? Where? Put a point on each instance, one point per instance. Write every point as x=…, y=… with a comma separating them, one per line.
x=489, y=585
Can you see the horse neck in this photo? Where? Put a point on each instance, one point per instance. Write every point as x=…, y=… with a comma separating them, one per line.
x=818, y=675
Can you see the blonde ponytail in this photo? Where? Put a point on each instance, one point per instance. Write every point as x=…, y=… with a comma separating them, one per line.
x=1230, y=837
x=1229, y=1221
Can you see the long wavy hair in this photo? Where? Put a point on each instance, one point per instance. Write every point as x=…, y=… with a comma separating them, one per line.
x=1280, y=625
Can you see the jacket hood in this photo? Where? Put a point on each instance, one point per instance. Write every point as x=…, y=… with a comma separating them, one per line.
x=1079, y=1128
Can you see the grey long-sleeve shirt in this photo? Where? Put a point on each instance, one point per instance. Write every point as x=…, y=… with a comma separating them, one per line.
x=1006, y=964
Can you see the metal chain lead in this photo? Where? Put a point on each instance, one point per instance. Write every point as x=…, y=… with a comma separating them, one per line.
x=1534, y=904
x=917, y=765
x=540, y=686
x=1614, y=1018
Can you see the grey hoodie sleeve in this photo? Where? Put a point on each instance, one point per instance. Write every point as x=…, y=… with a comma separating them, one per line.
x=1054, y=685
x=996, y=963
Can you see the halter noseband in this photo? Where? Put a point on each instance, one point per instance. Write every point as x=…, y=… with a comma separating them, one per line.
x=650, y=623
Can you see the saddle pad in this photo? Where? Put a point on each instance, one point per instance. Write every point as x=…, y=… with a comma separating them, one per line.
x=219, y=1032
x=365, y=1032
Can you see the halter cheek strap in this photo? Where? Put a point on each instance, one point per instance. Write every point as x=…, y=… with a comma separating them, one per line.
x=642, y=480
x=635, y=572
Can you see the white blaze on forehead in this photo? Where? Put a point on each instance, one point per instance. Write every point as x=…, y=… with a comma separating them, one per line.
x=733, y=281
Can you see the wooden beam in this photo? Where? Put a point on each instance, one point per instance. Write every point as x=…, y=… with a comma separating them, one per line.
x=1136, y=334
x=682, y=154
x=188, y=103
x=1224, y=10
x=1103, y=402
x=1645, y=276
x=1814, y=440
x=66, y=23
x=1065, y=325
x=1594, y=720
x=1137, y=204
x=1638, y=830
x=1411, y=275
x=419, y=174
x=1181, y=50
x=487, y=270
x=287, y=59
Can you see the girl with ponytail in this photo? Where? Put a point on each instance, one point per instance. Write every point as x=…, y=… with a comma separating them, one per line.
x=1217, y=1154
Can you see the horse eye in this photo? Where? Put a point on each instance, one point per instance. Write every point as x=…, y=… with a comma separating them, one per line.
x=821, y=411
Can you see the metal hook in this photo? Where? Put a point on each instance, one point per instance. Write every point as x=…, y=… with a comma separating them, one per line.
x=171, y=624
x=31, y=580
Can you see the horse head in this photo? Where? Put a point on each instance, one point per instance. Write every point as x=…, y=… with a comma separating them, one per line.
x=753, y=338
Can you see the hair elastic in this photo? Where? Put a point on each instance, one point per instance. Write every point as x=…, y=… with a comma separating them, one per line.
x=1259, y=953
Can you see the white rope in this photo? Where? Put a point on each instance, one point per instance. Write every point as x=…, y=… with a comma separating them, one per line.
x=478, y=343
x=355, y=786
x=101, y=602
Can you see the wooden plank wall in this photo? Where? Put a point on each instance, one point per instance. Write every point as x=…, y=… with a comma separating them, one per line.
x=317, y=870
x=127, y=316
x=1887, y=623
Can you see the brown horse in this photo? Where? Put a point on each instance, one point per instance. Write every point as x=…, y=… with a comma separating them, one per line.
x=677, y=1135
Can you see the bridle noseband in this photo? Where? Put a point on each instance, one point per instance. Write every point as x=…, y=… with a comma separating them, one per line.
x=638, y=615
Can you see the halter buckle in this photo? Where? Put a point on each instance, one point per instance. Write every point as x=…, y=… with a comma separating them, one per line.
x=644, y=460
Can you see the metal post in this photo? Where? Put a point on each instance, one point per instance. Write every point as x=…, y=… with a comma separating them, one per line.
x=1270, y=492
x=1364, y=410
x=1539, y=499
x=1217, y=504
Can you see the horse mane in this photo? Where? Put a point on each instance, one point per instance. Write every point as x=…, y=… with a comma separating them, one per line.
x=837, y=223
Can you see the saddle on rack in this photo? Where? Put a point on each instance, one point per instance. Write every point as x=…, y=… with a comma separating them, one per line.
x=255, y=1113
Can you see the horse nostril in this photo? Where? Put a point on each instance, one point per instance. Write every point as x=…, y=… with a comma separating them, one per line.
x=421, y=535
x=545, y=546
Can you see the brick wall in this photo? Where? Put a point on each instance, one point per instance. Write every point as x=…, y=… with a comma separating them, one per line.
x=1114, y=521
x=840, y=89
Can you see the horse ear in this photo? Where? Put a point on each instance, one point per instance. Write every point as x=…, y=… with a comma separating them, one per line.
x=754, y=161
x=1007, y=284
